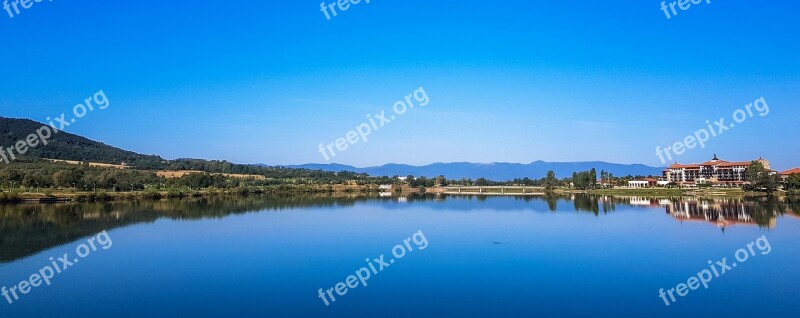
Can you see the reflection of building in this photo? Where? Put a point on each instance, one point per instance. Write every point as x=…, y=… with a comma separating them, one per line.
x=715, y=171
x=720, y=212
x=643, y=201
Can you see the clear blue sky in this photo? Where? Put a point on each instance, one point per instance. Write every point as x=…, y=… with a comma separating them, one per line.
x=510, y=81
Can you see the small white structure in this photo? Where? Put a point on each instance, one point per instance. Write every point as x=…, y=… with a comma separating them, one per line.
x=638, y=184
x=643, y=183
x=385, y=187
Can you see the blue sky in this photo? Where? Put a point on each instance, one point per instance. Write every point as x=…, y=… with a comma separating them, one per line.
x=511, y=81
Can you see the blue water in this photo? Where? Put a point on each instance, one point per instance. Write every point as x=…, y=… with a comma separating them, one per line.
x=499, y=256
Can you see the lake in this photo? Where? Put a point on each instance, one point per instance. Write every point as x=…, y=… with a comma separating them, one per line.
x=443, y=256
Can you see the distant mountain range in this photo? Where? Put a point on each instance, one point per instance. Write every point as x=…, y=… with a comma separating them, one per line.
x=72, y=147
x=492, y=171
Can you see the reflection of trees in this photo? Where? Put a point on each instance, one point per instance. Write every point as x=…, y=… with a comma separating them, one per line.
x=765, y=212
x=26, y=229
x=608, y=205
x=587, y=203
x=552, y=203
x=29, y=229
x=793, y=205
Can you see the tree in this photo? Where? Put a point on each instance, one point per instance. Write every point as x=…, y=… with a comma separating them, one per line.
x=761, y=178
x=8, y=175
x=67, y=178
x=602, y=177
x=527, y=181
x=37, y=179
x=440, y=181
x=423, y=182
x=793, y=182
x=550, y=182
x=481, y=182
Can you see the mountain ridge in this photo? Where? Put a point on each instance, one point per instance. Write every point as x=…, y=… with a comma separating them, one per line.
x=67, y=146
x=498, y=171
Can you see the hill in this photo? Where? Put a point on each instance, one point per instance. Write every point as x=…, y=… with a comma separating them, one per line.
x=71, y=147
x=491, y=171
x=66, y=146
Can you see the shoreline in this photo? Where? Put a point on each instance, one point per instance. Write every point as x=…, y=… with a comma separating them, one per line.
x=108, y=196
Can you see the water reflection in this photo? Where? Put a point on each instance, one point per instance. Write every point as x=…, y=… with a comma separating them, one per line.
x=29, y=229
x=26, y=229
x=722, y=212
x=727, y=212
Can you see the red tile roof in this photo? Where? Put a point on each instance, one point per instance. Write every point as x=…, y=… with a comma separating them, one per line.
x=733, y=164
x=679, y=166
x=718, y=163
x=791, y=171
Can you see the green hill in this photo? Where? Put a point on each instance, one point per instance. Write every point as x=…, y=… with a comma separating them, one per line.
x=67, y=146
x=31, y=170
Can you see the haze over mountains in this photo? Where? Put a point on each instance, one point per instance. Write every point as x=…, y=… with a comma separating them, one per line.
x=492, y=171
x=73, y=147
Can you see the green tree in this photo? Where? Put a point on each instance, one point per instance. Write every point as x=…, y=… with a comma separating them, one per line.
x=793, y=182
x=37, y=179
x=67, y=178
x=550, y=182
x=761, y=178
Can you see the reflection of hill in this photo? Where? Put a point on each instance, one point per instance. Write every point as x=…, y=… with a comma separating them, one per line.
x=29, y=229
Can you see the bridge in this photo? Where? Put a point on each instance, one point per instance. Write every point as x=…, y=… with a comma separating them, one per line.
x=493, y=190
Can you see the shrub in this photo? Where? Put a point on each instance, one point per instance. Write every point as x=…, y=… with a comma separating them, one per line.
x=241, y=191
x=175, y=193
x=151, y=194
x=10, y=197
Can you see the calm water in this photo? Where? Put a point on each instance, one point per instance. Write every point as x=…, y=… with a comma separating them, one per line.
x=483, y=257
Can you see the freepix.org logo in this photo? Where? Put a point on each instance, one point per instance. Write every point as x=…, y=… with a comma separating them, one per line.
x=329, y=9
x=55, y=125
x=375, y=266
x=13, y=7
x=703, y=136
x=58, y=265
x=374, y=123
x=681, y=4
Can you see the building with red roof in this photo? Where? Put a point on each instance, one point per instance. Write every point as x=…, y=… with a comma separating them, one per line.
x=791, y=172
x=715, y=171
x=643, y=183
x=785, y=175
